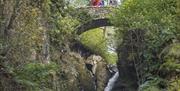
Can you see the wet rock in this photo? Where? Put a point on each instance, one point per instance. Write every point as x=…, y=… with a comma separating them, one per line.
x=74, y=74
x=102, y=75
x=99, y=71
x=112, y=68
x=93, y=60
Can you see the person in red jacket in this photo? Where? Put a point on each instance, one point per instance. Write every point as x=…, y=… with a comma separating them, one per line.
x=95, y=2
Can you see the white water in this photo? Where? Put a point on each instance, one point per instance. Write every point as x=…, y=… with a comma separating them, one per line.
x=112, y=82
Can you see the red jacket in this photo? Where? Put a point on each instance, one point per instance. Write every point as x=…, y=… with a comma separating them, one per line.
x=95, y=2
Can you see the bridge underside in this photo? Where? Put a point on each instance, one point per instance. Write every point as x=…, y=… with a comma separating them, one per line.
x=93, y=24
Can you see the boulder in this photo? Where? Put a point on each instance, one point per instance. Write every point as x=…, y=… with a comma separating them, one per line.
x=74, y=74
x=99, y=71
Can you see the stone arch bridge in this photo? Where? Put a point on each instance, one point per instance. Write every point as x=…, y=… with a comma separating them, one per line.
x=100, y=20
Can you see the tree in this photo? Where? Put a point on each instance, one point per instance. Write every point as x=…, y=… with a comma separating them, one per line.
x=159, y=20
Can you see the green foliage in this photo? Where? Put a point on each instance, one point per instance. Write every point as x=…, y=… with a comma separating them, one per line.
x=63, y=33
x=157, y=17
x=95, y=41
x=151, y=88
x=174, y=50
x=23, y=32
x=111, y=58
x=145, y=14
x=171, y=66
x=1, y=45
x=178, y=15
x=27, y=34
x=174, y=85
x=153, y=85
x=65, y=19
x=96, y=38
x=28, y=26
x=62, y=25
x=35, y=75
x=171, y=58
x=160, y=21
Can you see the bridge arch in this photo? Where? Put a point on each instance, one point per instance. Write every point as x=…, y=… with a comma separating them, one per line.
x=93, y=24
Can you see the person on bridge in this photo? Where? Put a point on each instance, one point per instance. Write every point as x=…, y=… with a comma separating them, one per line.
x=102, y=3
x=95, y=2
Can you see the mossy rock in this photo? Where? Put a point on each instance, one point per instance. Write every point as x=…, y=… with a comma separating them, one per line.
x=76, y=76
x=95, y=41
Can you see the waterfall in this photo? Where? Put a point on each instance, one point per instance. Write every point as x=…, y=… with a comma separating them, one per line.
x=112, y=82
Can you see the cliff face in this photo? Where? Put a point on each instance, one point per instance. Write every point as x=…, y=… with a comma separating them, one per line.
x=23, y=26
x=23, y=37
x=79, y=74
x=73, y=73
x=128, y=60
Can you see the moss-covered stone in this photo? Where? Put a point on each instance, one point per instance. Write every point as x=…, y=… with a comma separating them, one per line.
x=74, y=74
x=101, y=75
x=95, y=41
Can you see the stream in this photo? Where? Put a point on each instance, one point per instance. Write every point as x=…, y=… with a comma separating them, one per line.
x=111, y=82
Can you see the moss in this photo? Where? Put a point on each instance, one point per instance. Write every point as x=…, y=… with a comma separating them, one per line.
x=95, y=41
x=111, y=58
x=33, y=75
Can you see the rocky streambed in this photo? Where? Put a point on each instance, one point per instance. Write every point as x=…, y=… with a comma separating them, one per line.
x=90, y=74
